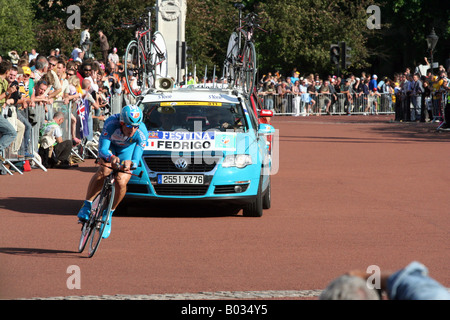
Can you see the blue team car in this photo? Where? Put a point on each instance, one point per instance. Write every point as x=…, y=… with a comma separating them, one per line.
x=204, y=144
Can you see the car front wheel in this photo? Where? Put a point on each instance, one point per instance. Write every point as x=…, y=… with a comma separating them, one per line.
x=255, y=208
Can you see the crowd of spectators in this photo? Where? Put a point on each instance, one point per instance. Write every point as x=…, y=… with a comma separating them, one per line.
x=33, y=79
x=411, y=96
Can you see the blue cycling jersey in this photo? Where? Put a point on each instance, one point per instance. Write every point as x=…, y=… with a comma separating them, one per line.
x=113, y=142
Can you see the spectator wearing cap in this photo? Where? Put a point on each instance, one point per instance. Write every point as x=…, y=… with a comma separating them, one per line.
x=27, y=83
x=191, y=79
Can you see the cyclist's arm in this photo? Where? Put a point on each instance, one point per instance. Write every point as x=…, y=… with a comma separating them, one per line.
x=137, y=154
x=104, y=142
x=103, y=151
x=139, y=148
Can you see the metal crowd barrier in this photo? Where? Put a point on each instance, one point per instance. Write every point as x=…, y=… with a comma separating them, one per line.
x=38, y=116
x=9, y=112
x=428, y=106
x=340, y=103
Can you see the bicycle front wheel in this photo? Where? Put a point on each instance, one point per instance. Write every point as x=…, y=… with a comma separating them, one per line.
x=85, y=233
x=101, y=206
x=249, y=68
x=135, y=69
x=159, y=67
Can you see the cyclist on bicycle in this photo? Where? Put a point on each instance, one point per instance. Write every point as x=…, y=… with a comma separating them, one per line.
x=121, y=143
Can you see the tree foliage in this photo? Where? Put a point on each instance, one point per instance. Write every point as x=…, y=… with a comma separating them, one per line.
x=401, y=42
x=208, y=26
x=301, y=30
x=16, y=26
x=95, y=14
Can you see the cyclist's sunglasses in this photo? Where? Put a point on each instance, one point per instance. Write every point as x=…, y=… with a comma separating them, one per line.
x=130, y=126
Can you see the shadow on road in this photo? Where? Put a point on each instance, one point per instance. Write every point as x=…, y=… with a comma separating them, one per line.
x=42, y=205
x=37, y=252
x=174, y=210
x=413, y=132
x=390, y=132
x=67, y=207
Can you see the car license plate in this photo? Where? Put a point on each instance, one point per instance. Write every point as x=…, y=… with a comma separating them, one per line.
x=180, y=179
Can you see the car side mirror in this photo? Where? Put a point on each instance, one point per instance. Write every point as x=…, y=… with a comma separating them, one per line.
x=265, y=129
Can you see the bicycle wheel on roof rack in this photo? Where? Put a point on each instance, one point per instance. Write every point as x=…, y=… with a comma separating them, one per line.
x=158, y=62
x=249, y=68
x=135, y=69
x=232, y=59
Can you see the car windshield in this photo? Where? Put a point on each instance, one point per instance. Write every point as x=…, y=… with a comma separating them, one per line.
x=193, y=116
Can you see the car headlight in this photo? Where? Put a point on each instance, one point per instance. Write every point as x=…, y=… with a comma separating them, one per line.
x=237, y=160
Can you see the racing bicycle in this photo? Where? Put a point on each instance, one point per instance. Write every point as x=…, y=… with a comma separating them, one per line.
x=240, y=63
x=92, y=230
x=145, y=57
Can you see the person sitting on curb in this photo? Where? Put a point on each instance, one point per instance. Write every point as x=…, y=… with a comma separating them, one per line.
x=52, y=141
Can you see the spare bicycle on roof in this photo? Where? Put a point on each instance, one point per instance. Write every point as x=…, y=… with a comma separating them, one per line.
x=146, y=56
x=240, y=63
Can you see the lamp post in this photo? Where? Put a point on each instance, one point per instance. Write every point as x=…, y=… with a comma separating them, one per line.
x=432, y=40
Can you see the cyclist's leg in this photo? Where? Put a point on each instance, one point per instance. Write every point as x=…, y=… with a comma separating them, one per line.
x=121, y=188
x=96, y=183
x=122, y=178
x=120, y=185
x=94, y=187
x=120, y=191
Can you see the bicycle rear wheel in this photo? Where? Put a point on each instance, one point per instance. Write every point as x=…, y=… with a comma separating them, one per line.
x=135, y=69
x=232, y=59
x=249, y=68
x=101, y=206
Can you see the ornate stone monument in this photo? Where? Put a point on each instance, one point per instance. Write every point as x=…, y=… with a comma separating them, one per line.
x=171, y=18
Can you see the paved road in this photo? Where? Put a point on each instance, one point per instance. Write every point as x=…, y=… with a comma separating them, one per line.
x=350, y=192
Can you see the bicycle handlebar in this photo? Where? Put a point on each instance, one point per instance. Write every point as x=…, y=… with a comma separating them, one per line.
x=127, y=25
x=251, y=21
x=140, y=21
x=254, y=20
x=118, y=169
